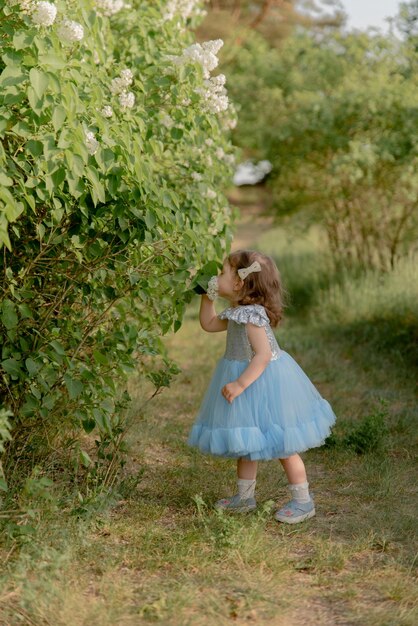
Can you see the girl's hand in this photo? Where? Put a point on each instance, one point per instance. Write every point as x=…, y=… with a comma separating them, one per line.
x=232, y=390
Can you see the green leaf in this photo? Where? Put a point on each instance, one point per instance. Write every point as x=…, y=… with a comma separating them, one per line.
x=150, y=219
x=74, y=386
x=98, y=191
x=9, y=314
x=12, y=75
x=25, y=311
x=58, y=347
x=23, y=39
x=39, y=82
x=58, y=176
x=177, y=133
x=4, y=237
x=58, y=117
x=13, y=208
x=35, y=102
x=52, y=61
x=99, y=357
x=22, y=129
x=85, y=459
x=32, y=366
x=89, y=425
x=35, y=148
x=5, y=180
x=3, y=484
x=12, y=367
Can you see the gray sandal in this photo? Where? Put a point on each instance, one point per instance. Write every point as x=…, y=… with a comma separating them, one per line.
x=236, y=505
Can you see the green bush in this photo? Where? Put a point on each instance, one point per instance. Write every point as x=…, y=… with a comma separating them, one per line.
x=109, y=200
x=368, y=435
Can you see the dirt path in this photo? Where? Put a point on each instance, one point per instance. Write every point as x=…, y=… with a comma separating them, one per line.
x=253, y=221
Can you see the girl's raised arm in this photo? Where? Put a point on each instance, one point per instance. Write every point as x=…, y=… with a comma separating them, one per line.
x=209, y=321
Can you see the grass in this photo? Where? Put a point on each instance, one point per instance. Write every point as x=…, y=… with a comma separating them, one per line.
x=374, y=308
x=162, y=554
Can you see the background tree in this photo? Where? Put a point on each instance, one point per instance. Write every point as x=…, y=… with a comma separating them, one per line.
x=335, y=114
x=273, y=19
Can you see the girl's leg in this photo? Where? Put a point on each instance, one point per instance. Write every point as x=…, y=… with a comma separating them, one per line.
x=247, y=469
x=246, y=474
x=244, y=500
x=301, y=506
x=295, y=469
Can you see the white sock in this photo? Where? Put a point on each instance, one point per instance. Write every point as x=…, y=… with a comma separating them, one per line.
x=300, y=492
x=246, y=488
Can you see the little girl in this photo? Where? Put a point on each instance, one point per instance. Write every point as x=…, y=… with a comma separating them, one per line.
x=260, y=405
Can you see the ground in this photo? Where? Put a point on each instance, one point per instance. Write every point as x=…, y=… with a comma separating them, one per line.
x=162, y=554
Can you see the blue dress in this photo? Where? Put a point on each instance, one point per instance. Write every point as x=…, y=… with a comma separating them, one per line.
x=279, y=414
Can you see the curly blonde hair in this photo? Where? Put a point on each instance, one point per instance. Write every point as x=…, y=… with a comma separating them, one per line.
x=263, y=287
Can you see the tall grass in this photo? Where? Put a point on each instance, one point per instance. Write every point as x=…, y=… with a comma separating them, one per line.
x=378, y=308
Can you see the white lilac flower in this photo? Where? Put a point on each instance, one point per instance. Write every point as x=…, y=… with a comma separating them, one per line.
x=213, y=230
x=96, y=58
x=212, y=290
x=182, y=8
x=110, y=7
x=69, y=31
x=204, y=53
x=91, y=142
x=209, y=141
x=226, y=212
x=213, y=46
x=230, y=123
x=214, y=94
x=26, y=6
x=211, y=194
x=196, y=176
x=126, y=99
x=119, y=84
x=127, y=77
x=107, y=111
x=167, y=121
x=42, y=13
x=220, y=80
x=220, y=153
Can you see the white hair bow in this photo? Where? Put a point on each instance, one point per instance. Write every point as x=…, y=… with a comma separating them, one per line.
x=255, y=267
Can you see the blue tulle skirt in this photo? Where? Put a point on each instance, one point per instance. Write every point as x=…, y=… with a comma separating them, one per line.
x=279, y=414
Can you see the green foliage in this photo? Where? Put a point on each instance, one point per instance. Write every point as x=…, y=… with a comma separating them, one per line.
x=368, y=435
x=336, y=114
x=200, y=281
x=35, y=501
x=101, y=222
x=224, y=529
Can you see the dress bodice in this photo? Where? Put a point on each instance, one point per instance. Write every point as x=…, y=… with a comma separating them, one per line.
x=238, y=347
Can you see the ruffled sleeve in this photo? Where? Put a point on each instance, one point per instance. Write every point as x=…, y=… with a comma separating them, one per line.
x=246, y=314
